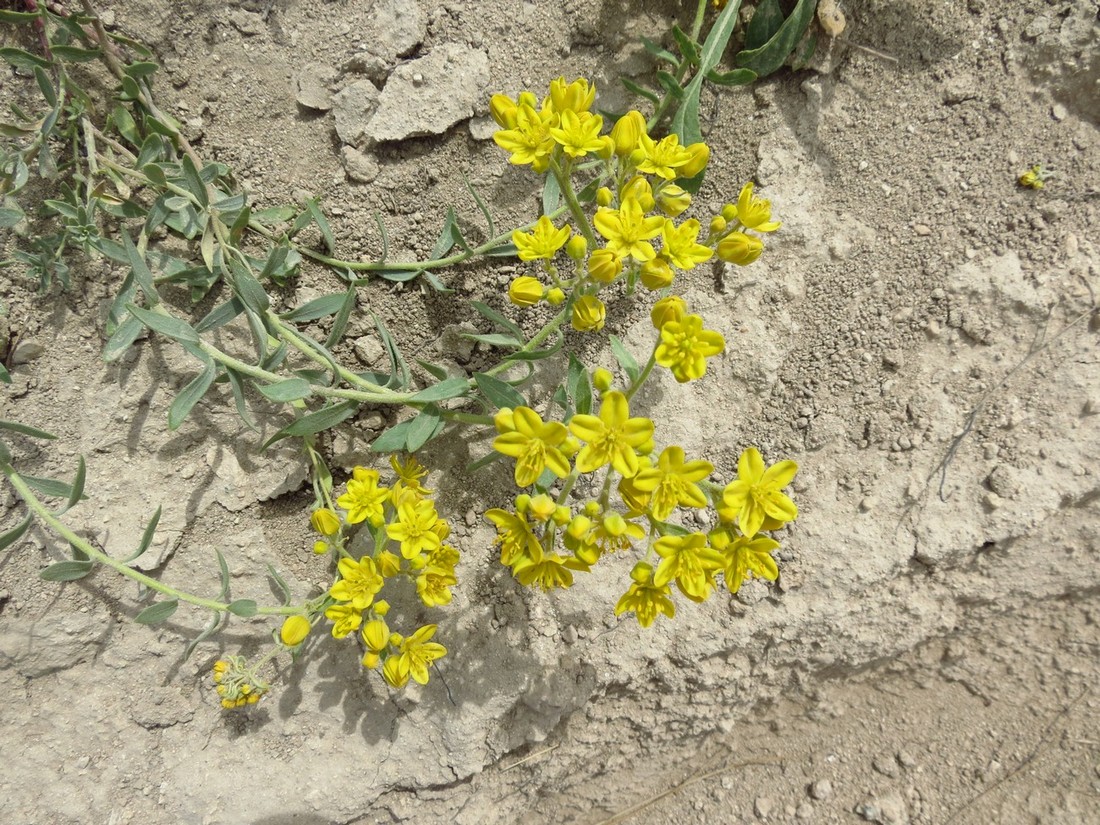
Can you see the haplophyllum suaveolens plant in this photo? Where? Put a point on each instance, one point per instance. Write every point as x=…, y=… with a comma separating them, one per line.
x=633, y=235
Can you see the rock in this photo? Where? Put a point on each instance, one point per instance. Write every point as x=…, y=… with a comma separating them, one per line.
x=428, y=96
x=369, y=350
x=1059, y=111
x=247, y=23
x=56, y=641
x=359, y=166
x=483, y=128
x=376, y=68
x=27, y=351
x=313, y=83
x=886, y=765
x=821, y=789
x=352, y=108
x=888, y=809
x=763, y=807
x=399, y=26
x=831, y=18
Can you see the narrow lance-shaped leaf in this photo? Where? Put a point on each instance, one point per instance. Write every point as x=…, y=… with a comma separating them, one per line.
x=448, y=388
x=223, y=572
x=243, y=608
x=26, y=429
x=323, y=419
x=17, y=532
x=340, y=323
x=770, y=56
x=165, y=324
x=191, y=395
x=66, y=571
x=322, y=224
x=78, y=484
x=392, y=440
x=426, y=426
x=211, y=627
x=280, y=582
x=292, y=389
x=146, y=538
x=499, y=393
x=157, y=612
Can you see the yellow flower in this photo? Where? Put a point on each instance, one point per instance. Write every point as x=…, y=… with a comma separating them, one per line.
x=611, y=438
x=389, y=565
x=535, y=445
x=345, y=619
x=325, y=522
x=504, y=111
x=589, y=314
x=548, y=572
x=672, y=308
x=543, y=242
x=657, y=274
x=417, y=655
x=614, y=533
x=525, y=291
x=661, y=158
x=409, y=474
x=515, y=537
x=294, y=630
x=364, y=498
x=577, y=96
x=745, y=557
x=680, y=246
x=433, y=586
x=685, y=346
x=578, y=134
x=645, y=599
x=628, y=230
x=739, y=248
x=699, y=154
x=688, y=560
x=672, y=482
x=446, y=557
x=638, y=188
x=673, y=200
x=359, y=582
x=529, y=139
x=414, y=528
x=627, y=132
x=1033, y=178
x=604, y=266
x=755, y=494
x=755, y=213
x=376, y=635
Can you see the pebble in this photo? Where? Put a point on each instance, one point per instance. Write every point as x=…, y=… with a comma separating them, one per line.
x=313, y=86
x=922, y=229
x=867, y=504
x=804, y=811
x=27, y=351
x=352, y=108
x=886, y=765
x=471, y=517
x=359, y=166
x=821, y=789
x=1059, y=112
x=763, y=806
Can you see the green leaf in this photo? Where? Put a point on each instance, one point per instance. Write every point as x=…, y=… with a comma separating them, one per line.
x=223, y=572
x=340, y=323
x=505, y=250
x=551, y=195
x=422, y=429
x=770, y=56
x=437, y=371
x=317, y=308
x=658, y=51
x=220, y=315
x=191, y=395
x=494, y=339
x=579, y=386
x=481, y=205
x=323, y=419
x=74, y=54
x=24, y=429
x=449, y=237
x=284, y=588
x=45, y=85
x=393, y=440
x=538, y=354
x=274, y=214
x=498, y=319
x=211, y=627
x=157, y=612
x=165, y=324
x=140, y=68
x=292, y=389
x=66, y=571
x=499, y=393
x=322, y=224
x=146, y=538
x=14, y=534
x=122, y=338
x=142, y=274
x=448, y=388
x=688, y=47
x=685, y=122
x=78, y=484
x=5, y=376
x=248, y=289
x=194, y=182
x=641, y=91
x=737, y=77
x=670, y=85
x=23, y=60
x=625, y=359
x=10, y=216
x=766, y=20
x=483, y=462
x=398, y=367
x=19, y=16
x=243, y=608
x=236, y=384
x=49, y=486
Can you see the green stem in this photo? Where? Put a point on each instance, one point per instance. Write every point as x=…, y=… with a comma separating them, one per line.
x=43, y=514
x=681, y=70
x=552, y=326
x=637, y=385
x=565, y=184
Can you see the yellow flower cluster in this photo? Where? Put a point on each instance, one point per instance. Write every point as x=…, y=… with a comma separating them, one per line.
x=409, y=540
x=237, y=684
x=651, y=491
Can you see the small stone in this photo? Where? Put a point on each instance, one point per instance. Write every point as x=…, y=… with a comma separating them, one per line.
x=471, y=517
x=1059, y=112
x=867, y=504
x=313, y=86
x=831, y=18
x=992, y=501
x=821, y=790
x=886, y=765
x=763, y=807
x=247, y=23
x=907, y=760
x=369, y=350
x=352, y=108
x=27, y=351
x=804, y=811
x=569, y=635
x=922, y=229
x=360, y=167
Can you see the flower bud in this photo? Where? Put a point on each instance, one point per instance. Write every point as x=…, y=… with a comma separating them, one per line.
x=673, y=200
x=391, y=672
x=389, y=565
x=527, y=99
x=700, y=154
x=523, y=501
x=639, y=189
x=542, y=507
x=370, y=660
x=739, y=248
x=571, y=446
x=656, y=274
x=294, y=630
x=604, y=266
x=381, y=607
x=627, y=132
x=503, y=109
x=672, y=308
x=604, y=196
x=578, y=528
x=576, y=248
x=602, y=379
x=561, y=515
x=577, y=96
x=642, y=573
x=589, y=314
x=592, y=508
x=614, y=525
x=376, y=635
x=729, y=211
x=555, y=296
x=525, y=291
x=587, y=553
x=646, y=447
x=718, y=225
x=320, y=547
x=504, y=420
x=325, y=522
x=607, y=147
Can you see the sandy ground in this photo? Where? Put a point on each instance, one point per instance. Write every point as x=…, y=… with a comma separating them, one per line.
x=918, y=337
